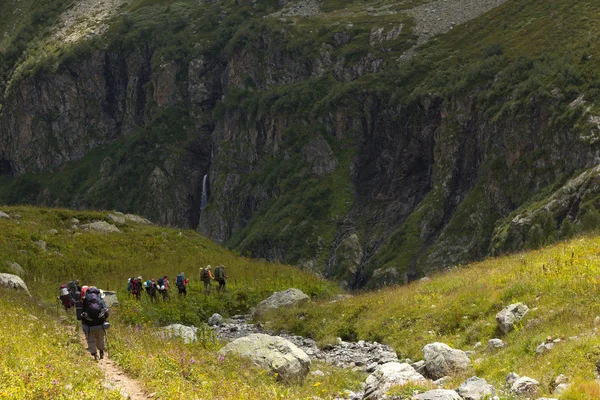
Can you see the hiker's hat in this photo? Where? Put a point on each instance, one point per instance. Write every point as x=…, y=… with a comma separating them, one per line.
x=139, y=277
x=208, y=266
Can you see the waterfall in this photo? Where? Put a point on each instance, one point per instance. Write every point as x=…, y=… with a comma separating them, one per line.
x=204, y=198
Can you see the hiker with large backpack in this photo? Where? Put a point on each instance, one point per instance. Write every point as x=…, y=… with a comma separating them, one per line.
x=163, y=288
x=150, y=286
x=207, y=278
x=136, y=287
x=220, y=277
x=65, y=297
x=181, y=284
x=93, y=321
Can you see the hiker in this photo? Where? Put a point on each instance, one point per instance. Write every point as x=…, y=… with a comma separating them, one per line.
x=181, y=284
x=220, y=277
x=93, y=321
x=129, y=285
x=150, y=287
x=163, y=288
x=65, y=297
x=206, y=277
x=136, y=287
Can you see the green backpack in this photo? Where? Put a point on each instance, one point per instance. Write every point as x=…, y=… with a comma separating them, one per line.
x=220, y=273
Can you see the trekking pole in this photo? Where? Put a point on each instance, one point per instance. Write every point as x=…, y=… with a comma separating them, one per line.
x=106, y=338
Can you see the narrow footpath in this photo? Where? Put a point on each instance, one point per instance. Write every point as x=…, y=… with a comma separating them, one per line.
x=116, y=379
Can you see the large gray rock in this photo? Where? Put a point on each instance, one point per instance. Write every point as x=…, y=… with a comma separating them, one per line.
x=525, y=386
x=285, y=298
x=100, y=227
x=137, y=219
x=215, y=320
x=187, y=333
x=495, y=344
x=16, y=268
x=438, y=394
x=272, y=353
x=387, y=376
x=110, y=298
x=117, y=217
x=476, y=388
x=512, y=314
x=4, y=215
x=13, y=282
x=442, y=360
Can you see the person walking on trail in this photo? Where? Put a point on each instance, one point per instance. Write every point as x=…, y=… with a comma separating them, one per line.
x=93, y=321
x=163, y=288
x=181, y=284
x=207, y=278
x=65, y=297
x=221, y=278
x=136, y=287
x=150, y=286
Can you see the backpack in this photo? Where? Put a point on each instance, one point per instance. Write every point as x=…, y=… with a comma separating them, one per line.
x=93, y=304
x=220, y=273
x=64, y=291
x=179, y=281
x=204, y=276
x=160, y=282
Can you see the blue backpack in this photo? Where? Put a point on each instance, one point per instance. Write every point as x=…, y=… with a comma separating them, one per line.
x=179, y=281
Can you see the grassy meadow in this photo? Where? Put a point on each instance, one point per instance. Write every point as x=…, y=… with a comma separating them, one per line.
x=41, y=358
x=560, y=284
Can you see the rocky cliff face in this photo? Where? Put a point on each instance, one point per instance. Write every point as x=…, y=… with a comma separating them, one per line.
x=319, y=153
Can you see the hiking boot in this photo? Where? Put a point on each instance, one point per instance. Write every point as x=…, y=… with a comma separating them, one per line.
x=101, y=354
x=95, y=357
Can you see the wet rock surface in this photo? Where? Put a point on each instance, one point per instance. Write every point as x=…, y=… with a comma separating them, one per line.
x=364, y=356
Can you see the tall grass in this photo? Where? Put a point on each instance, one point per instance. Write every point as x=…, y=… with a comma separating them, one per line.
x=560, y=284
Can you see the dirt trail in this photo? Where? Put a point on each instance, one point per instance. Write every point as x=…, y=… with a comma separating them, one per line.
x=117, y=380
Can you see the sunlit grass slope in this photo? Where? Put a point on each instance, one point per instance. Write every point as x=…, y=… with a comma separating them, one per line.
x=107, y=260
x=40, y=358
x=560, y=284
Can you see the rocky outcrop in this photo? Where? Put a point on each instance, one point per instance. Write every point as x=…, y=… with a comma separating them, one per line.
x=387, y=376
x=476, y=389
x=4, y=215
x=186, y=333
x=272, y=353
x=508, y=317
x=286, y=298
x=100, y=227
x=442, y=360
x=215, y=320
x=525, y=386
x=13, y=282
x=438, y=394
x=110, y=298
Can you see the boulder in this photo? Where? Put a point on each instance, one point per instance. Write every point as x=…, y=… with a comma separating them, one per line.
x=4, y=215
x=525, y=386
x=544, y=347
x=442, y=360
x=285, y=298
x=16, y=268
x=495, y=344
x=137, y=219
x=387, y=376
x=110, y=298
x=272, y=353
x=117, y=217
x=42, y=245
x=512, y=314
x=13, y=282
x=511, y=378
x=100, y=227
x=438, y=394
x=476, y=388
x=187, y=333
x=215, y=320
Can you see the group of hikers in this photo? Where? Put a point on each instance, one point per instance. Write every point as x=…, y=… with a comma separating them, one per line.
x=136, y=286
x=91, y=310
